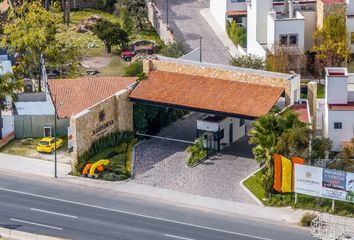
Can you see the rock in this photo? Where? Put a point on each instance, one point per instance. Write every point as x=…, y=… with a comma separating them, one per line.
x=81, y=29
x=90, y=22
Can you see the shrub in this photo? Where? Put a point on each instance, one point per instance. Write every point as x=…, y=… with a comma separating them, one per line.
x=307, y=219
x=110, y=176
x=248, y=61
x=102, y=145
x=174, y=50
x=121, y=148
x=197, y=152
x=130, y=155
x=237, y=33
x=134, y=69
x=106, y=154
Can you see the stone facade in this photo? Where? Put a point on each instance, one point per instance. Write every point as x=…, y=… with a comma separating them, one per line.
x=312, y=99
x=227, y=73
x=325, y=9
x=111, y=114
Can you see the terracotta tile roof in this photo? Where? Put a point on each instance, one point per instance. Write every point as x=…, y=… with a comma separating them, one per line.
x=302, y=111
x=75, y=95
x=342, y=107
x=201, y=93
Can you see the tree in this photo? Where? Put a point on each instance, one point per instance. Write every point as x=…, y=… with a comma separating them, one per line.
x=111, y=34
x=248, y=61
x=32, y=33
x=237, y=33
x=8, y=86
x=331, y=41
x=126, y=20
x=174, y=50
x=319, y=148
x=136, y=9
x=267, y=133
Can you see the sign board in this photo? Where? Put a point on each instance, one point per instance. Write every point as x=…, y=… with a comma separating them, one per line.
x=325, y=183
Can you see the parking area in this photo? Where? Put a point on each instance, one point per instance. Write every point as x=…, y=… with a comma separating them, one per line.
x=161, y=163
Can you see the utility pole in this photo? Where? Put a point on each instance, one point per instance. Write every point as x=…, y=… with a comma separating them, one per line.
x=167, y=3
x=55, y=138
x=200, y=49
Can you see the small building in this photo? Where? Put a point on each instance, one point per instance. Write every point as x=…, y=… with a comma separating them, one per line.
x=338, y=118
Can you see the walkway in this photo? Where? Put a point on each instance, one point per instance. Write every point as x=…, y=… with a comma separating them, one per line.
x=188, y=26
x=161, y=163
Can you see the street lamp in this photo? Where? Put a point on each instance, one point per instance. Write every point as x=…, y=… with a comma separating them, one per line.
x=167, y=2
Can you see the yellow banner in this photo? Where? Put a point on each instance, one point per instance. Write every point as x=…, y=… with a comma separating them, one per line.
x=287, y=169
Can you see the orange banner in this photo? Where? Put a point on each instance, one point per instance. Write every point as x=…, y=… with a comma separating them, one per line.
x=298, y=160
x=277, y=172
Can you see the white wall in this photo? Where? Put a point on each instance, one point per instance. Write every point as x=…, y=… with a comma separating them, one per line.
x=350, y=29
x=286, y=26
x=9, y=125
x=336, y=90
x=238, y=131
x=338, y=136
x=253, y=46
x=350, y=7
x=262, y=7
x=295, y=89
x=218, y=9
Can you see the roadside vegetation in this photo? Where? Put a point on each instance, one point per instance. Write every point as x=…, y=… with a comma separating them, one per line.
x=196, y=153
x=117, y=148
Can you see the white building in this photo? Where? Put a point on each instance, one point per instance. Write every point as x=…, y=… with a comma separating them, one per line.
x=290, y=23
x=338, y=119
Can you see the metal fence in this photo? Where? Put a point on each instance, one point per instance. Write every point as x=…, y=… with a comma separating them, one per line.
x=32, y=126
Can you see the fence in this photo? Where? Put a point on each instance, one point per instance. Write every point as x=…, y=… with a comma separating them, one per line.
x=328, y=227
x=31, y=126
x=154, y=16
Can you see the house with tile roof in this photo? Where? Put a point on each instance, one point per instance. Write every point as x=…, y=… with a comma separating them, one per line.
x=288, y=23
x=338, y=117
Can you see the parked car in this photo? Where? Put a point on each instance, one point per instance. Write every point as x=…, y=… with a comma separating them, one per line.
x=47, y=145
x=127, y=55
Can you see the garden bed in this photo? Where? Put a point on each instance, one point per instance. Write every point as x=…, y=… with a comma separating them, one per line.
x=254, y=184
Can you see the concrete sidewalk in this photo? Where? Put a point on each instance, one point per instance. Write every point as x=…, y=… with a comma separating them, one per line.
x=43, y=168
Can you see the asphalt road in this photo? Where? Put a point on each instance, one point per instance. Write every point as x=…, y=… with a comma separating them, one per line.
x=52, y=207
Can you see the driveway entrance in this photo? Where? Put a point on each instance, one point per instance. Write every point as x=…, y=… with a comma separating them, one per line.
x=161, y=163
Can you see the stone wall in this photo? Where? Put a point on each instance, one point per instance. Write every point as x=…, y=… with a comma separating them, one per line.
x=112, y=114
x=312, y=99
x=79, y=4
x=218, y=72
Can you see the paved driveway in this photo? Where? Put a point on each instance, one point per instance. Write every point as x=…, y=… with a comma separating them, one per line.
x=161, y=163
x=188, y=26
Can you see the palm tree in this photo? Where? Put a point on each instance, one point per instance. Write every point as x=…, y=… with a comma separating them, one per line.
x=8, y=87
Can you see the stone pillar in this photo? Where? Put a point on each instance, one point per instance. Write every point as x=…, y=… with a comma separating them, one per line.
x=312, y=99
x=124, y=111
x=147, y=66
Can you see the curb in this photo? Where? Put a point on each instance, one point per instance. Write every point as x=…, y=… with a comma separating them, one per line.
x=18, y=235
x=248, y=191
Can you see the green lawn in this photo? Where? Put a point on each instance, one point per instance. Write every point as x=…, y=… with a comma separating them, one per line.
x=320, y=91
x=304, y=202
x=254, y=184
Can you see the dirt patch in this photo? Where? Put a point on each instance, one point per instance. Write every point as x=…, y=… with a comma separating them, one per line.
x=96, y=62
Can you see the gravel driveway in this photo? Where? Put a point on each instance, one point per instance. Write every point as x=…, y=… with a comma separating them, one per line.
x=188, y=26
x=161, y=163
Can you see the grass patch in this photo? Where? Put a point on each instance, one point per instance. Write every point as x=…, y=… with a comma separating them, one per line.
x=254, y=184
x=320, y=91
x=21, y=147
x=77, y=16
x=115, y=69
x=304, y=202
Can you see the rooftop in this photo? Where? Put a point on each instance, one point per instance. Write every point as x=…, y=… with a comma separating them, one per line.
x=72, y=96
x=302, y=111
x=204, y=94
x=341, y=107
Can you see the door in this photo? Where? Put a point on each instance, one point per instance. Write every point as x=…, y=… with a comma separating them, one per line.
x=47, y=131
x=231, y=133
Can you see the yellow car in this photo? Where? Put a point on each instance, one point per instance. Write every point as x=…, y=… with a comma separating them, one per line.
x=47, y=145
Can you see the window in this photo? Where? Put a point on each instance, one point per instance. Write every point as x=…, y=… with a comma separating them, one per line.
x=242, y=122
x=337, y=125
x=283, y=39
x=288, y=39
x=352, y=37
x=221, y=134
x=293, y=39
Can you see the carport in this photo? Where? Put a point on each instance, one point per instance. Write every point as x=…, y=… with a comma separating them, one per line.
x=227, y=104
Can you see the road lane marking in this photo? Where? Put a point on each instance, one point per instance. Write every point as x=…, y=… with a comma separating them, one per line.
x=134, y=214
x=36, y=224
x=178, y=237
x=54, y=213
